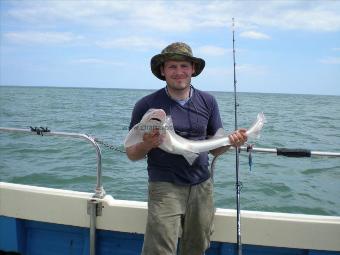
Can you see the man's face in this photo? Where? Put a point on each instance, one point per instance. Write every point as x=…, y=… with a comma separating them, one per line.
x=178, y=74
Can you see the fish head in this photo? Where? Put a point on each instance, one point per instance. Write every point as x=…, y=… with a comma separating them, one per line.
x=153, y=118
x=154, y=114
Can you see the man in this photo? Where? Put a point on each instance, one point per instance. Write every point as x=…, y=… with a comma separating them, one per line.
x=180, y=195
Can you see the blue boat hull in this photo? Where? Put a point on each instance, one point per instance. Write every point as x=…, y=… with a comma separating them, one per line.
x=38, y=238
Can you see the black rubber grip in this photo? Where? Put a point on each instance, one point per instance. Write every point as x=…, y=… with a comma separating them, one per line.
x=297, y=153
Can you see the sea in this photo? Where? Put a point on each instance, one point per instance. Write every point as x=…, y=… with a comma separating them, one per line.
x=274, y=183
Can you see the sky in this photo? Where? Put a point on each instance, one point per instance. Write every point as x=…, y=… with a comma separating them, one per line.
x=290, y=46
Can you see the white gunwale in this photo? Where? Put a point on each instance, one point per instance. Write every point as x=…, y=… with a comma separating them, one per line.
x=258, y=228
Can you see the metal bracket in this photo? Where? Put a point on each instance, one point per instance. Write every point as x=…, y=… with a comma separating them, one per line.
x=40, y=131
x=98, y=207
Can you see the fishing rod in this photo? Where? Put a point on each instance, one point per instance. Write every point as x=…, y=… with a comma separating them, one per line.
x=237, y=157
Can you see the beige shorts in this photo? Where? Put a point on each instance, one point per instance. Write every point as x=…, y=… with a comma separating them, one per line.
x=175, y=211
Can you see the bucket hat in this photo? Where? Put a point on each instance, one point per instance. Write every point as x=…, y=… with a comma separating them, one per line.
x=175, y=51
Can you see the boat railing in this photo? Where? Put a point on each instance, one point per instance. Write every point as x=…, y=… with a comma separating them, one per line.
x=94, y=205
x=99, y=190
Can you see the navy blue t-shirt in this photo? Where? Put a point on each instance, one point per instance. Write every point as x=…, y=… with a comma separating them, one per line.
x=197, y=119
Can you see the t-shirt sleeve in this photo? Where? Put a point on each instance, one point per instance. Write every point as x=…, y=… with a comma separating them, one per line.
x=215, y=119
x=138, y=112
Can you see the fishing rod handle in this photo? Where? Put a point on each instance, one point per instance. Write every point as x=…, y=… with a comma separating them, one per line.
x=288, y=152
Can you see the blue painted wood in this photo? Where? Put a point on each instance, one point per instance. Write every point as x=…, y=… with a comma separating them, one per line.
x=8, y=234
x=54, y=239
x=112, y=243
x=311, y=252
x=39, y=238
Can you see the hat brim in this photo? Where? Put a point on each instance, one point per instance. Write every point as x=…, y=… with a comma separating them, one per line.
x=159, y=59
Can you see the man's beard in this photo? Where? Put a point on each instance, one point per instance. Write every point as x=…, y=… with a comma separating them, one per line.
x=179, y=87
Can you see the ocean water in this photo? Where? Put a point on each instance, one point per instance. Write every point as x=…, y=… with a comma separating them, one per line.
x=279, y=184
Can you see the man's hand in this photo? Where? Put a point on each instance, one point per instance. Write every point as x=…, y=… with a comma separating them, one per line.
x=238, y=138
x=153, y=139
x=150, y=140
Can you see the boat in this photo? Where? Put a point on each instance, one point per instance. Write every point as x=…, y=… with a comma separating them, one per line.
x=40, y=220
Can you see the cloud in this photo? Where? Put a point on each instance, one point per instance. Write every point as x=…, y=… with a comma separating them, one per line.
x=97, y=13
x=218, y=71
x=34, y=37
x=96, y=61
x=210, y=50
x=255, y=35
x=254, y=70
x=128, y=14
x=164, y=16
x=321, y=16
x=132, y=43
x=315, y=20
x=330, y=61
x=183, y=16
x=245, y=69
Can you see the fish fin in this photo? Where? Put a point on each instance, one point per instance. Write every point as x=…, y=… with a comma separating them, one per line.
x=220, y=133
x=134, y=136
x=168, y=124
x=255, y=129
x=190, y=156
x=166, y=143
x=167, y=146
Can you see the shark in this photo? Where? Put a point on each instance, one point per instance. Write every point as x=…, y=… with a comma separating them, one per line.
x=175, y=144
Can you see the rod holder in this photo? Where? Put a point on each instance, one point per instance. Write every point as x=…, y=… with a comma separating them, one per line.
x=94, y=209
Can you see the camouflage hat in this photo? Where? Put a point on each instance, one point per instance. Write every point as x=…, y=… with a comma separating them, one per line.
x=175, y=51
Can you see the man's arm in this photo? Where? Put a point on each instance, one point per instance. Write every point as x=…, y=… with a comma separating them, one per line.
x=219, y=151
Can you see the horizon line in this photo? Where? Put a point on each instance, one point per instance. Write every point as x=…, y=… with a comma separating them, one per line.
x=153, y=89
